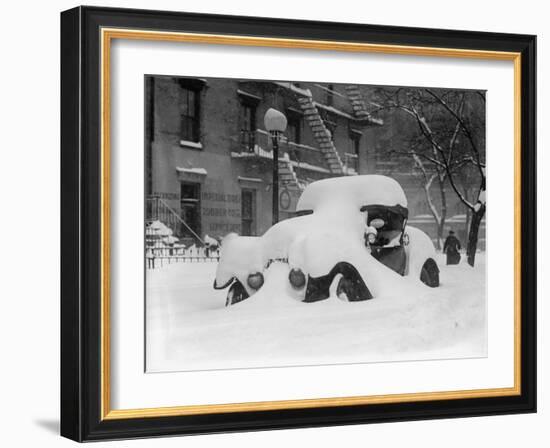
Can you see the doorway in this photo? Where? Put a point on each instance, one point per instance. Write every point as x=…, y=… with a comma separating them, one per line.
x=248, y=212
x=190, y=205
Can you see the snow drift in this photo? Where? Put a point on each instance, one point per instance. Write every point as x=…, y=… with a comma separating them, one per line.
x=189, y=327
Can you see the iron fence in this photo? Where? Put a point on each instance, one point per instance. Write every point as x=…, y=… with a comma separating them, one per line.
x=159, y=256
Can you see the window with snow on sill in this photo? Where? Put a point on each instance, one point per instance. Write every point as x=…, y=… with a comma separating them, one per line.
x=189, y=144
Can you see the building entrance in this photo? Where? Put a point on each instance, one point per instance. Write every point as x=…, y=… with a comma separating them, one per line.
x=190, y=205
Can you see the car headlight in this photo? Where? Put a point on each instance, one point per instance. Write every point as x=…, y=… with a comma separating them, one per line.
x=297, y=278
x=256, y=280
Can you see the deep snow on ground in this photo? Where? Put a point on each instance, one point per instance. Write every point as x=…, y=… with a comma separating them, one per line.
x=189, y=328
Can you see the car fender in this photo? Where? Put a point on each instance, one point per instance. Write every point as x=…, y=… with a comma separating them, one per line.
x=419, y=249
x=240, y=256
x=316, y=254
x=319, y=253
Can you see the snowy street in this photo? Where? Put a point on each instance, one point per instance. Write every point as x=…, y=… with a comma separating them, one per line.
x=189, y=327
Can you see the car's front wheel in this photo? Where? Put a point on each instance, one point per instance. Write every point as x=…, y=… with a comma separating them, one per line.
x=350, y=286
x=237, y=293
x=429, y=275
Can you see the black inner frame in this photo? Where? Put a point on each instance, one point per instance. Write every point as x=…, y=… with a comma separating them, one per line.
x=81, y=220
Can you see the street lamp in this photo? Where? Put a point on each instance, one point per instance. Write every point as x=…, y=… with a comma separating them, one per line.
x=275, y=124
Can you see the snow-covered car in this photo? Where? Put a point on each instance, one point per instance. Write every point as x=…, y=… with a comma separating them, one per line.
x=350, y=236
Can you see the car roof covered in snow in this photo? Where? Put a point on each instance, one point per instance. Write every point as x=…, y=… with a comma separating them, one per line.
x=369, y=189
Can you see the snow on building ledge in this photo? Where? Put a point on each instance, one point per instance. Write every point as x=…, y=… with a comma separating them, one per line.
x=191, y=174
x=268, y=155
x=309, y=167
x=249, y=179
x=189, y=144
x=249, y=95
x=292, y=87
x=249, y=182
x=341, y=113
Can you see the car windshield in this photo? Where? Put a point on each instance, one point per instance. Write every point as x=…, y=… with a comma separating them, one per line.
x=388, y=221
x=386, y=218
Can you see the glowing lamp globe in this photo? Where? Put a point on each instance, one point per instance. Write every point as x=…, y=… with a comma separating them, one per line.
x=275, y=121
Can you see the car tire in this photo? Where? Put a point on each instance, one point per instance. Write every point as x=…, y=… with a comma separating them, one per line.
x=344, y=289
x=237, y=293
x=352, y=289
x=318, y=288
x=429, y=275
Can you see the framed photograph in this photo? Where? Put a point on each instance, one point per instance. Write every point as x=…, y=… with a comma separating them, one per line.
x=277, y=224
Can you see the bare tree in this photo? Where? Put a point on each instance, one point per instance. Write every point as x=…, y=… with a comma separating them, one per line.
x=468, y=129
x=452, y=131
x=432, y=177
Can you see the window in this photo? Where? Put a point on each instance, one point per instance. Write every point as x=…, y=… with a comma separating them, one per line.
x=329, y=121
x=355, y=142
x=248, y=124
x=248, y=212
x=294, y=127
x=330, y=95
x=331, y=126
x=190, y=114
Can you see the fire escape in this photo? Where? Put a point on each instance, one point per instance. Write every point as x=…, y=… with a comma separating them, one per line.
x=322, y=135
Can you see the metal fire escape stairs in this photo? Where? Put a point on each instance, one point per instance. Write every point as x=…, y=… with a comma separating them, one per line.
x=287, y=175
x=358, y=104
x=322, y=135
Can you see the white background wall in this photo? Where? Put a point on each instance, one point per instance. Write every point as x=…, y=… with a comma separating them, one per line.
x=29, y=220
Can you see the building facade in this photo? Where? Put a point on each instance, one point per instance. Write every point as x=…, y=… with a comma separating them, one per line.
x=209, y=159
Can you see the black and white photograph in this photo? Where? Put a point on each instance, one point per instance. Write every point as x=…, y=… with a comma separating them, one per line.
x=293, y=223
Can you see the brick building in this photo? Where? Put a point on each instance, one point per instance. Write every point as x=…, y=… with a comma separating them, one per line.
x=209, y=159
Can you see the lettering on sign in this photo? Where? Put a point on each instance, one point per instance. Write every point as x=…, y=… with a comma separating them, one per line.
x=221, y=211
x=221, y=197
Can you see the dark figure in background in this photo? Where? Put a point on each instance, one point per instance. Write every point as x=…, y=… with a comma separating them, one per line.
x=451, y=248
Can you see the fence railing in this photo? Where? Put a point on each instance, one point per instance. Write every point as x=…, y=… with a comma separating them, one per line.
x=249, y=141
x=258, y=142
x=158, y=210
x=159, y=250
x=159, y=256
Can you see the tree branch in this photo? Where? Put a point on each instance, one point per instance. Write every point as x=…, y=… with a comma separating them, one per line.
x=465, y=128
x=426, y=131
x=427, y=184
x=424, y=156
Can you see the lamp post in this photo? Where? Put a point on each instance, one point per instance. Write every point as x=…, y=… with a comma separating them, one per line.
x=275, y=123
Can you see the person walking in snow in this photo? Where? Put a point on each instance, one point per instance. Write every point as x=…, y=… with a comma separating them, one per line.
x=451, y=248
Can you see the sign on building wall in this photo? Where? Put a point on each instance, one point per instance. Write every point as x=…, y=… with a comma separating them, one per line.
x=221, y=208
